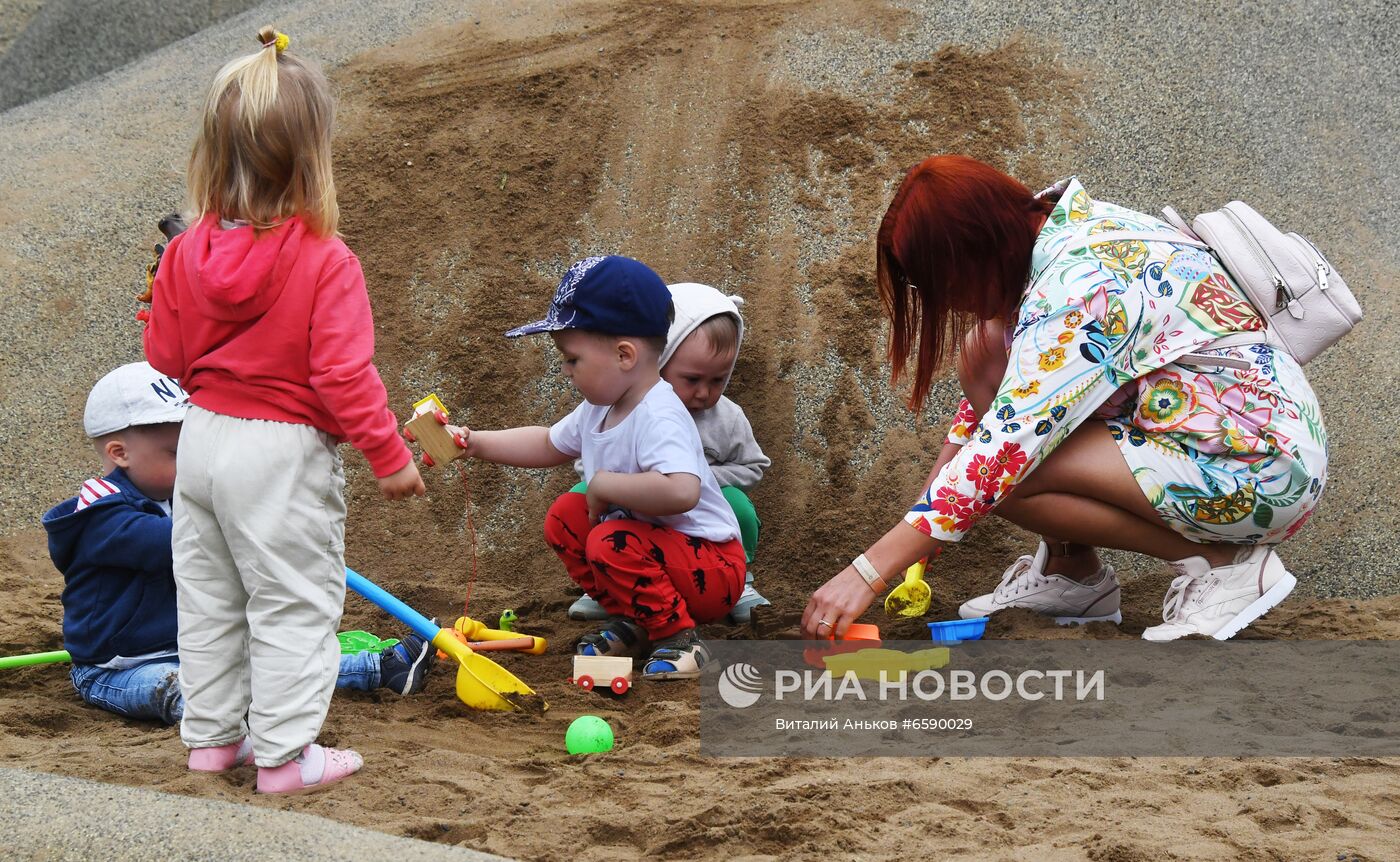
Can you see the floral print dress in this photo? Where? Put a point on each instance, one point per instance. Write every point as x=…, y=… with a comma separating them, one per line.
x=1223, y=455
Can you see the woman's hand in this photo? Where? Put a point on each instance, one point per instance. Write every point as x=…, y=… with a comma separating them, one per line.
x=841, y=600
x=838, y=603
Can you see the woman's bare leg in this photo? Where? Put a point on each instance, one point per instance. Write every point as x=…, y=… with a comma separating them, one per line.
x=981, y=367
x=1084, y=492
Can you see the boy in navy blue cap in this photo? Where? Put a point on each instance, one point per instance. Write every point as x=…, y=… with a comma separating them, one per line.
x=112, y=544
x=652, y=538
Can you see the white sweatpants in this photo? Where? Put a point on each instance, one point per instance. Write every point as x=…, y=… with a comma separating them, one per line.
x=259, y=544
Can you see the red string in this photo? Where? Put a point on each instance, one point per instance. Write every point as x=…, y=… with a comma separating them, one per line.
x=471, y=529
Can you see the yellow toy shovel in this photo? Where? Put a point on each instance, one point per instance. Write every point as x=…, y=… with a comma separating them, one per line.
x=481, y=683
x=911, y=598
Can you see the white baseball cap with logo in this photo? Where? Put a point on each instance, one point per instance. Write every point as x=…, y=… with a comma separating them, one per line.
x=134, y=394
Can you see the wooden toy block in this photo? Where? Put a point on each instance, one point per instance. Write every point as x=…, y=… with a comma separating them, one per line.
x=428, y=429
x=611, y=672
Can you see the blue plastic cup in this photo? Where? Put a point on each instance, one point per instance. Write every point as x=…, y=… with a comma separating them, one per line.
x=956, y=631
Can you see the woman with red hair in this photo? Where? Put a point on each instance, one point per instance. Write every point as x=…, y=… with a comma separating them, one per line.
x=1118, y=393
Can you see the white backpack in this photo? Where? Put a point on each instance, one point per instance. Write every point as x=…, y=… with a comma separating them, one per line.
x=1303, y=300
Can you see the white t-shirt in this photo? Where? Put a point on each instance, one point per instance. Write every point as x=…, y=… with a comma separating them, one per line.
x=658, y=435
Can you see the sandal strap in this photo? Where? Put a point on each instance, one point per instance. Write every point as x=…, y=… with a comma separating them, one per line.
x=626, y=631
x=688, y=659
x=619, y=637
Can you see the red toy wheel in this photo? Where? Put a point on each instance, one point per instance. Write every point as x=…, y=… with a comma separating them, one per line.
x=428, y=460
x=408, y=435
x=585, y=682
x=620, y=685
x=440, y=416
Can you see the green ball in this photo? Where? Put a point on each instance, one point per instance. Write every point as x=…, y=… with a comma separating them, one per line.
x=588, y=734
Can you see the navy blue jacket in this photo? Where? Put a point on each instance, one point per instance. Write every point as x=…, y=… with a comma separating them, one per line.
x=119, y=589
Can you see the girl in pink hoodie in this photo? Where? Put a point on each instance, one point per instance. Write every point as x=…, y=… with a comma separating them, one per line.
x=261, y=312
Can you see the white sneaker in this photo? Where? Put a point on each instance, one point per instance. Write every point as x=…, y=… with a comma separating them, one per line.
x=1025, y=585
x=1219, y=602
x=585, y=607
x=749, y=599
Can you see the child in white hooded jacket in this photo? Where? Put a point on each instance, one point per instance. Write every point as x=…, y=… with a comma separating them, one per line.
x=701, y=349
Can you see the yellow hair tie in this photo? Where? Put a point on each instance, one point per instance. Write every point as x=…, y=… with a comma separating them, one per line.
x=280, y=42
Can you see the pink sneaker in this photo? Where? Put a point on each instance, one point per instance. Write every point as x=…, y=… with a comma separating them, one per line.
x=1220, y=601
x=222, y=758
x=316, y=767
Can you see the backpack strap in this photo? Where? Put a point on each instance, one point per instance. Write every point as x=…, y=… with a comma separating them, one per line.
x=1175, y=220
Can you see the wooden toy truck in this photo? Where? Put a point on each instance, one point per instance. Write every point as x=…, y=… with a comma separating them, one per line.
x=612, y=672
x=426, y=428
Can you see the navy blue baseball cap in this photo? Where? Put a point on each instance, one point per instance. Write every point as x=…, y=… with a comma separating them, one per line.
x=615, y=295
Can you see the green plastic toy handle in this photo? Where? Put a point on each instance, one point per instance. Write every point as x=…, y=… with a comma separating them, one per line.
x=11, y=661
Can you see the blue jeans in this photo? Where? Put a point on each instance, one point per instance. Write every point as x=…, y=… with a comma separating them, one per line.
x=152, y=690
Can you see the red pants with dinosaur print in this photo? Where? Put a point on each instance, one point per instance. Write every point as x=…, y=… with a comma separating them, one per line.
x=662, y=579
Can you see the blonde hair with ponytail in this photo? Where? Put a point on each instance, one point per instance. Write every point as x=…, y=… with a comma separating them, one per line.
x=263, y=153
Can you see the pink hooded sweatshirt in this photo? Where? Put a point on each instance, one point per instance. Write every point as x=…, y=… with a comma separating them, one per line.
x=274, y=326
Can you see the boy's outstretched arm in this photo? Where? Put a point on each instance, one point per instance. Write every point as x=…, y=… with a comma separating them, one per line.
x=528, y=446
x=649, y=493
x=743, y=475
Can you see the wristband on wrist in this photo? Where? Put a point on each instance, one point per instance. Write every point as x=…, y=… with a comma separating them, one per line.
x=867, y=571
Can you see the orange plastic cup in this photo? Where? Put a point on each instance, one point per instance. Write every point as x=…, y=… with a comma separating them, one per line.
x=858, y=636
x=862, y=632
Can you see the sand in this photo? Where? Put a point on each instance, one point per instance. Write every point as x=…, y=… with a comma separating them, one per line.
x=502, y=783
x=475, y=160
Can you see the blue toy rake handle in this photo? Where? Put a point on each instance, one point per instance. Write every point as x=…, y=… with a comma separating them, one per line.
x=421, y=625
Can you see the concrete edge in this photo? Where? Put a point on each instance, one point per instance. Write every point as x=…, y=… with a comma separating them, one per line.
x=55, y=817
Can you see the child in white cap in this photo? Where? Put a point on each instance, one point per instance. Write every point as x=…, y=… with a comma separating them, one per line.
x=112, y=544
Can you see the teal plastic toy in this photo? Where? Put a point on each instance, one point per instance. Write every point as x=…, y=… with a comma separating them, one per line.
x=356, y=642
x=588, y=734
